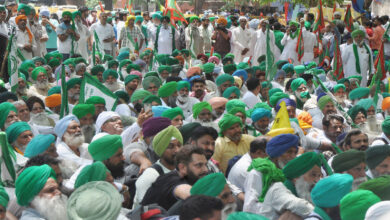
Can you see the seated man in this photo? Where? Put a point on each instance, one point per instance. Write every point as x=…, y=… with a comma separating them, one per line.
x=41, y=84
x=260, y=122
x=184, y=100
x=85, y=113
x=36, y=188
x=202, y=113
x=355, y=139
x=8, y=115
x=108, y=122
x=110, y=79
x=41, y=144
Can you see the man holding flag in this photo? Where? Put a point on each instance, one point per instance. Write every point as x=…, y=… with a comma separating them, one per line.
x=104, y=33
x=67, y=35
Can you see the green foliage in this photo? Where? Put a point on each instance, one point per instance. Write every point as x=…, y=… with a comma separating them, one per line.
x=91, y=3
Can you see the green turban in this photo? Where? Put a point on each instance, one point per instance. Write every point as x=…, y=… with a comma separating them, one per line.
x=299, y=69
x=15, y=129
x=273, y=100
x=31, y=181
x=36, y=72
x=234, y=103
x=242, y=66
x=280, y=63
x=359, y=93
x=130, y=78
x=105, y=147
x=138, y=18
x=339, y=86
x=172, y=61
x=123, y=63
x=227, y=121
x=229, y=68
x=355, y=204
x=366, y=103
x=210, y=185
x=122, y=95
x=96, y=69
x=208, y=68
x=112, y=63
x=186, y=130
x=343, y=80
x=192, y=18
x=94, y=200
x=95, y=100
x=162, y=58
x=54, y=62
x=164, y=68
x=39, y=59
x=183, y=84
x=81, y=110
x=172, y=113
x=54, y=90
x=311, y=65
x=132, y=66
x=163, y=138
x=175, y=53
x=386, y=125
x=72, y=82
x=296, y=83
x=167, y=89
x=5, y=108
x=223, y=78
x=198, y=107
x=380, y=186
x=76, y=13
x=94, y=172
x=245, y=216
x=230, y=90
x=185, y=51
x=273, y=91
x=328, y=192
x=354, y=111
x=376, y=155
x=300, y=165
x=347, y=160
x=139, y=94
x=294, y=23
x=150, y=79
x=266, y=84
x=4, y=199
x=358, y=32
x=25, y=66
x=323, y=101
x=67, y=13
x=152, y=73
x=109, y=72
x=70, y=61
x=151, y=98
x=107, y=57
x=24, y=7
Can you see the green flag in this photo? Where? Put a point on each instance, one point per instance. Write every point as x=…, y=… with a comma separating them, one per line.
x=12, y=63
x=64, y=93
x=270, y=67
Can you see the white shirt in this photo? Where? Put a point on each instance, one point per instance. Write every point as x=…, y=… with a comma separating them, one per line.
x=238, y=173
x=131, y=133
x=250, y=99
x=3, y=29
x=64, y=152
x=261, y=44
x=253, y=186
x=23, y=39
x=65, y=46
x=241, y=39
x=380, y=141
x=187, y=107
x=289, y=48
x=309, y=42
x=165, y=40
x=103, y=32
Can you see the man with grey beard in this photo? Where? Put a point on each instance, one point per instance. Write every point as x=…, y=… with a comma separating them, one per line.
x=22, y=89
x=85, y=113
x=184, y=101
x=202, y=114
x=110, y=79
x=41, y=84
x=70, y=141
x=37, y=189
x=352, y=162
x=73, y=86
x=378, y=160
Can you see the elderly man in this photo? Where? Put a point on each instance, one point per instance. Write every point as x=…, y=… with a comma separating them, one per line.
x=131, y=36
x=108, y=122
x=327, y=194
x=223, y=82
x=168, y=94
x=261, y=118
x=23, y=111
x=151, y=84
x=105, y=33
x=232, y=142
x=352, y=162
x=340, y=93
x=378, y=160
x=261, y=42
x=85, y=113
x=165, y=37
x=175, y=115
x=241, y=38
x=41, y=84
x=70, y=141
x=325, y=108
x=184, y=101
x=301, y=94
x=73, y=86
x=8, y=115
x=37, y=188
x=53, y=106
x=166, y=144
x=193, y=36
x=110, y=79
x=202, y=113
x=281, y=149
x=357, y=58
x=67, y=36
x=218, y=107
x=24, y=38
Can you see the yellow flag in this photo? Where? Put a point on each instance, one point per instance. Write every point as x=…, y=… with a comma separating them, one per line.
x=281, y=123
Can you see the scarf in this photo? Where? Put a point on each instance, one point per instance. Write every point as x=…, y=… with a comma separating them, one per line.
x=357, y=61
x=134, y=43
x=321, y=213
x=158, y=33
x=295, y=34
x=290, y=186
x=271, y=174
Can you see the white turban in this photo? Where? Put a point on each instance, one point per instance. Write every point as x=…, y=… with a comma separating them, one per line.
x=337, y=13
x=103, y=117
x=379, y=211
x=254, y=23
x=243, y=17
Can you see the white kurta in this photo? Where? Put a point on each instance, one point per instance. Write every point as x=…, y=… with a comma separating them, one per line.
x=250, y=99
x=104, y=32
x=261, y=44
x=22, y=39
x=187, y=107
x=238, y=173
x=289, y=49
x=309, y=42
x=196, y=43
x=82, y=43
x=165, y=40
x=206, y=34
x=349, y=63
x=65, y=153
x=241, y=39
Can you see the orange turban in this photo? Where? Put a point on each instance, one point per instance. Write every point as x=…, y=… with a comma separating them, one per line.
x=53, y=100
x=180, y=58
x=193, y=70
x=222, y=21
x=386, y=103
x=24, y=17
x=217, y=102
x=305, y=117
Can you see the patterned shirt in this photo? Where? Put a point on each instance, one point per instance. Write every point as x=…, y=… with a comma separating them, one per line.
x=135, y=33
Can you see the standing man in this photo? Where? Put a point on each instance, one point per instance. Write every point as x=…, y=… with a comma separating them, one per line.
x=206, y=30
x=24, y=39
x=221, y=37
x=194, y=40
x=261, y=41
x=84, y=43
x=105, y=32
x=289, y=42
x=66, y=35
x=165, y=37
x=50, y=25
x=241, y=40
x=131, y=36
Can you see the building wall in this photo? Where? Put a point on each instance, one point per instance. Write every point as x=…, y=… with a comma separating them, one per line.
x=382, y=8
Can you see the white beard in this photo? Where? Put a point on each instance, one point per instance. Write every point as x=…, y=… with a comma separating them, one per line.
x=227, y=210
x=88, y=132
x=74, y=140
x=281, y=164
x=22, y=91
x=183, y=99
x=42, y=85
x=53, y=208
x=340, y=100
x=21, y=148
x=40, y=119
x=112, y=86
x=303, y=189
x=356, y=182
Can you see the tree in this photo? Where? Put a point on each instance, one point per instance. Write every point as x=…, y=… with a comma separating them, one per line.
x=91, y=3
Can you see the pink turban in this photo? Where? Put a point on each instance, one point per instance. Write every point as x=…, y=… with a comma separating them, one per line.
x=217, y=102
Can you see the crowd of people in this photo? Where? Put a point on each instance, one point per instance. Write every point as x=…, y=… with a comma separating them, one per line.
x=222, y=116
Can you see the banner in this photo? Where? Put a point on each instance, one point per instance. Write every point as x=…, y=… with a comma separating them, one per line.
x=92, y=87
x=12, y=63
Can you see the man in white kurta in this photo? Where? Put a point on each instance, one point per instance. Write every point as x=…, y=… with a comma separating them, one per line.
x=194, y=39
x=24, y=39
x=357, y=58
x=261, y=42
x=309, y=42
x=206, y=31
x=241, y=38
x=83, y=43
x=105, y=32
x=165, y=37
x=289, y=42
